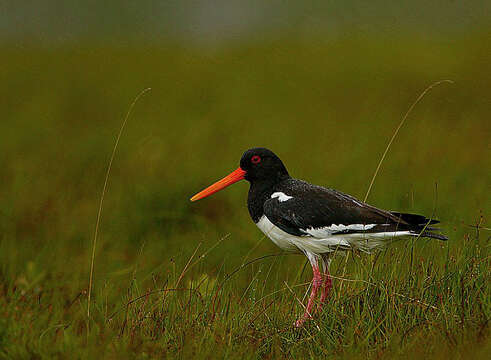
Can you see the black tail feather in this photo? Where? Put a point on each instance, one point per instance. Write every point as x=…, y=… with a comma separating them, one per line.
x=420, y=225
x=414, y=219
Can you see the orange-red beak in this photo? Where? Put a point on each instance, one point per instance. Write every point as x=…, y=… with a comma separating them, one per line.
x=220, y=184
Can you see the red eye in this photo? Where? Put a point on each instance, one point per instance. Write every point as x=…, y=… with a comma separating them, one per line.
x=256, y=159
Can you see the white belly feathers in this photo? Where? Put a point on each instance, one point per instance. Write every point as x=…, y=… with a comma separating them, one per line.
x=326, y=243
x=281, y=238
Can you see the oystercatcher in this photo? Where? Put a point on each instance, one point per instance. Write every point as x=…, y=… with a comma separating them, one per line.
x=316, y=221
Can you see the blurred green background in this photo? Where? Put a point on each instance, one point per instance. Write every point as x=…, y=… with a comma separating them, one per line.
x=322, y=85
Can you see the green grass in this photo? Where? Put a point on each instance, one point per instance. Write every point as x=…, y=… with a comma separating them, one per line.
x=171, y=278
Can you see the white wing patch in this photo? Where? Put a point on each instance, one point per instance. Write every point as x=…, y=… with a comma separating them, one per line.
x=281, y=196
x=329, y=230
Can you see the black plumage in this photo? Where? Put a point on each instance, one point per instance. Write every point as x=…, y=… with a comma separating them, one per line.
x=314, y=207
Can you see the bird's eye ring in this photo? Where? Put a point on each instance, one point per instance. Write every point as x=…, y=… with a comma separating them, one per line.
x=256, y=159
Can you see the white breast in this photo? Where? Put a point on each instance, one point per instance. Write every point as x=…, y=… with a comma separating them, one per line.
x=278, y=236
x=299, y=243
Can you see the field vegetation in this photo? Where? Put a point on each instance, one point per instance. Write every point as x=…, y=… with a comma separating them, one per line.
x=198, y=280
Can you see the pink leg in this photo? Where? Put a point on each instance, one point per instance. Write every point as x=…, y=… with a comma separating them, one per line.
x=316, y=283
x=326, y=288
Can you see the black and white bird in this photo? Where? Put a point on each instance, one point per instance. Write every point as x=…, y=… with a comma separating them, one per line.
x=317, y=221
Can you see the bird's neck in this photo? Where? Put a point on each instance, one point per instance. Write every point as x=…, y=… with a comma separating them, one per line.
x=259, y=192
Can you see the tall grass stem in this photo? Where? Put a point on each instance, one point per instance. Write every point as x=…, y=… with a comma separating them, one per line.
x=420, y=97
x=101, y=202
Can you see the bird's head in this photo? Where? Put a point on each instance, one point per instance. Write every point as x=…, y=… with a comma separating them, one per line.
x=256, y=165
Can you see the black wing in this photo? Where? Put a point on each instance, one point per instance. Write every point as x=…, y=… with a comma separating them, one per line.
x=315, y=207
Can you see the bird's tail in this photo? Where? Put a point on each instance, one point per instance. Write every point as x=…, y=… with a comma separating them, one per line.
x=420, y=225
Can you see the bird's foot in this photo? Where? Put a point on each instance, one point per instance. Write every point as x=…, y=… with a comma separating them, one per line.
x=300, y=322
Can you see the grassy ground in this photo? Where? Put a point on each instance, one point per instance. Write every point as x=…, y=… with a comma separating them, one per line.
x=180, y=279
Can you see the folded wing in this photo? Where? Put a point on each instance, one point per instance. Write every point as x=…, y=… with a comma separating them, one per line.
x=302, y=209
